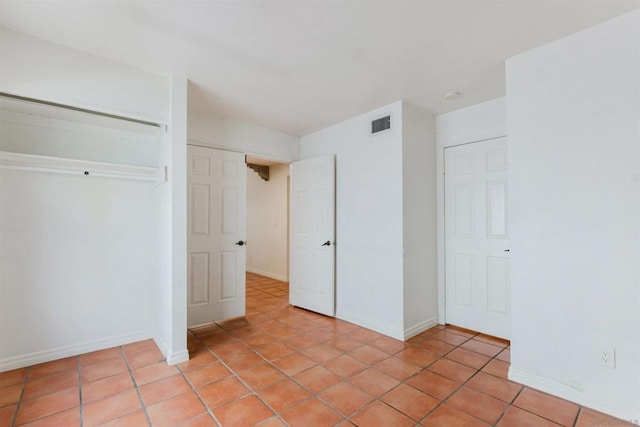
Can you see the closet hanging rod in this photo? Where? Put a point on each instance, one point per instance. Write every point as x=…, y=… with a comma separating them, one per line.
x=79, y=109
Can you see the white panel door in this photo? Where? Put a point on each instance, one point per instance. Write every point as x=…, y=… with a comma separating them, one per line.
x=477, y=237
x=312, y=259
x=217, y=204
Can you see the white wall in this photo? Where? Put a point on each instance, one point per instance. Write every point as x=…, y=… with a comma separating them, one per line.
x=36, y=68
x=574, y=152
x=267, y=223
x=115, y=250
x=419, y=219
x=369, y=263
x=482, y=121
x=479, y=122
x=219, y=132
x=77, y=254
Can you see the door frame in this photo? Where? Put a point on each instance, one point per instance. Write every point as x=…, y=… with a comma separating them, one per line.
x=440, y=219
x=202, y=144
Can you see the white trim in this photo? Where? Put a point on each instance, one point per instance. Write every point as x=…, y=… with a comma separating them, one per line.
x=440, y=246
x=267, y=274
x=590, y=400
x=71, y=350
x=177, y=357
x=420, y=327
x=367, y=323
x=161, y=345
x=80, y=168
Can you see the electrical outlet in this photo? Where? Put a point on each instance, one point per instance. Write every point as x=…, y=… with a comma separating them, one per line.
x=607, y=357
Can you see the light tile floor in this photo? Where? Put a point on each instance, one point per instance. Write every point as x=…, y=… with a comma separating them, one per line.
x=285, y=366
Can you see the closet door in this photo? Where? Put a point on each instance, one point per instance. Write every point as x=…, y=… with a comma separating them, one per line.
x=217, y=204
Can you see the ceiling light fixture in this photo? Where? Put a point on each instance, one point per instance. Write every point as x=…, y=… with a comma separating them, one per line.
x=451, y=95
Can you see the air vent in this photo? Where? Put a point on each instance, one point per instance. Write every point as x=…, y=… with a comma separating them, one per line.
x=381, y=124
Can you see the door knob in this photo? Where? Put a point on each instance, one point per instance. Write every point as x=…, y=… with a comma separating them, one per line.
x=240, y=243
x=327, y=243
x=507, y=250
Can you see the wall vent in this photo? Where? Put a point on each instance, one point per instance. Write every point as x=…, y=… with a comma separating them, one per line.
x=381, y=124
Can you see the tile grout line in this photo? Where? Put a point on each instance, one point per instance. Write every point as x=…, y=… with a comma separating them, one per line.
x=237, y=377
x=135, y=386
x=24, y=386
x=81, y=404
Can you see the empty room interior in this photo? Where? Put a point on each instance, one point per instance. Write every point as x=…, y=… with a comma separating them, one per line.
x=320, y=213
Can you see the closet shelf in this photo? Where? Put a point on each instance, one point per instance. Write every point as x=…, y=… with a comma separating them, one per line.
x=84, y=168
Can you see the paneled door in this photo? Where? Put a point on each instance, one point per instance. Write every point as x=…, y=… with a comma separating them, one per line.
x=477, y=237
x=312, y=257
x=217, y=204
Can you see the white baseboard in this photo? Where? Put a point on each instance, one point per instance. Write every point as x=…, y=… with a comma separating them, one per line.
x=420, y=327
x=71, y=350
x=162, y=346
x=267, y=274
x=382, y=328
x=177, y=357
x=590, y=400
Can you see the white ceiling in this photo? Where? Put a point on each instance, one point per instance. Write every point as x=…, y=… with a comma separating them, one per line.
x=298, y=66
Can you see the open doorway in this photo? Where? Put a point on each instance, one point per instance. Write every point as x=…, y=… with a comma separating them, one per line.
x=267, y=250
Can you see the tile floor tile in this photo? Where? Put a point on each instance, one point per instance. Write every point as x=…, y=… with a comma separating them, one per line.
x=247, y=411
x=6, y=415
x=274, y=351
x=106, y=387
x=48, y=368
x=368, y=355
x=103, y=369
x=591, y=418
x=11, y=395
x=398, y=368
x=49, y=404
x=445, y=415
x=207, y=374
x=482, y=347
x=283, y=395
x=552, y=408
x=381, y=414
x=468, y=358
x=311, y=412
x=68, y=418
x=317, y=379
x=163, y=389
x=134, y=419
x=433, y=384
x=155, y=372
x=494, y=386
x=13, y=377
x=418, y=357
x=410, y=401
x=197, y=360
x=243, y=361
x=261, y=376
x=497, y=368
x=477, y=404
x=294, y=363
x=100, y=356
x=49, y=384
x=345, y=398
x=112, y=407
x=345, y=366
x=176, y=410
x=452, y=370
x=222, y=392
x=374, y=382
x=516, y=417
x=203, y=420
x=322, y=353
